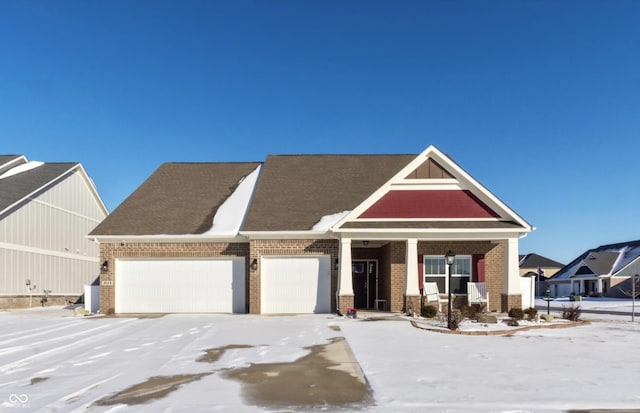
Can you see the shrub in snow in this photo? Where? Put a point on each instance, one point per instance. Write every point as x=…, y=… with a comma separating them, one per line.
x=429, y=311
x=516, y=313
x=512, y=322
x=571, y=313
x=469, y=311
x=531, y=313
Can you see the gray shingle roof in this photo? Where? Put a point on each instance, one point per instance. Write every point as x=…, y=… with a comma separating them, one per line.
x=600, y=263
x=16, y=187
x=7, y=158
x=177, y=199
x=295, y=191
x=630, y=250
x=535, y=261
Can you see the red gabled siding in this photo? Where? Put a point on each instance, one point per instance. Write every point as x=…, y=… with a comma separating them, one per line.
x=429, y=204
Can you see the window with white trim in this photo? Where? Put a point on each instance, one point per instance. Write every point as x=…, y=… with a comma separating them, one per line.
x=436, y=270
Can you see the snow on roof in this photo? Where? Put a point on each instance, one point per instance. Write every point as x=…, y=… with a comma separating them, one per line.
x=328, y=221
x=21, y=168
x=231, y=213
x=627, y=253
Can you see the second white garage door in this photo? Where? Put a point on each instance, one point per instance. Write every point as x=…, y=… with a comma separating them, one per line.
x=180, y=286
x=295, y=285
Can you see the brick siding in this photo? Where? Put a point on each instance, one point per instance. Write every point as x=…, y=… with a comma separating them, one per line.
x=392, y=267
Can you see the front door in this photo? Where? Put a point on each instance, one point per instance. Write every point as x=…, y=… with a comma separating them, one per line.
x=364, y=274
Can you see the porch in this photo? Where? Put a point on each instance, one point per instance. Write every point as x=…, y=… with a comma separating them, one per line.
x=388, y=274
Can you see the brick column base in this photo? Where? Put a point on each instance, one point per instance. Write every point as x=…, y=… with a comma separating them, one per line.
x=344, y=302
x=413, y=302
x=510, y=301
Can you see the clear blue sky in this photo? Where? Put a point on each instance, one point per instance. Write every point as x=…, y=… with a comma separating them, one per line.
x=538, y=100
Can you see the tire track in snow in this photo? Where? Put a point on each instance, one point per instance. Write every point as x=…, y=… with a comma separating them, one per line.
x=62, y=403
x=35, y=332
x=31, y=344
x=11, y=367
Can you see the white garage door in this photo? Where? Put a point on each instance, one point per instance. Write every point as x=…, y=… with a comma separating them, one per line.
x=296, y=285
x=180, y=286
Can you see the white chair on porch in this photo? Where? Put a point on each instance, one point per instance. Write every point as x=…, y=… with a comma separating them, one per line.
x=478, y=294
x=432, y=294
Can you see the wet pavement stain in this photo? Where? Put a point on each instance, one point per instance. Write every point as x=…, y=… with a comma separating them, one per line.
x=154, y=388
x=35, y=380
x=329, y=376
x=213, y=354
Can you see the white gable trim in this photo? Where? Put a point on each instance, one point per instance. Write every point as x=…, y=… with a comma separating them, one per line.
x=76, y=168
x=462, y=181
x=92, y=188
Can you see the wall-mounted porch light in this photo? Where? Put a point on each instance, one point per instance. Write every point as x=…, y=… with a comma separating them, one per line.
x=105, y=266
x=365, y=243
x=337, y=263
x=254, y=264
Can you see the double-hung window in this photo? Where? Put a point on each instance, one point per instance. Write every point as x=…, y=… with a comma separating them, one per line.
x=436, y=270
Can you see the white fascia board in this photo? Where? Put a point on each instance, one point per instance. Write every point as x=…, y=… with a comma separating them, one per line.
x=584, y=278
x=414, y=185
x=428, y=220
x=287, y=234
x=439, y=235
x=164, y=238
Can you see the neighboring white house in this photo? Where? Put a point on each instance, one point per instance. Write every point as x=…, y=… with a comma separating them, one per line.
x=46, y=212
x=605, y=270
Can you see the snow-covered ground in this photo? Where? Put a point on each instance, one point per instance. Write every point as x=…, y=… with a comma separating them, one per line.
x=614, y=305
x=53, y=361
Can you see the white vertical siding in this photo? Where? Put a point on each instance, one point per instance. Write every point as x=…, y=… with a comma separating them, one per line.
x=45, y=240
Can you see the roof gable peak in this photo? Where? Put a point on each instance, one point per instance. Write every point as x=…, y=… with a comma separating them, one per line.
x=432, y=170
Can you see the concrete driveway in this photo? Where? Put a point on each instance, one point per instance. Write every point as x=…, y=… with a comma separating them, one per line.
x=52, y=360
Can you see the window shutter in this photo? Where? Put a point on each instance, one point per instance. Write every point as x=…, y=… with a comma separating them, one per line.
x=477, y=268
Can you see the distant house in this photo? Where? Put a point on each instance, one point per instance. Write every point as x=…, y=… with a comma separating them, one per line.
x=307, y=234
x=605, y=270
x=46, y=213
x=542, y=268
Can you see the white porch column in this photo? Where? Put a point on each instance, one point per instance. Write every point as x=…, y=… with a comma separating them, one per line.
x=411, y=279
x=511, y=284
x=345, y=286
